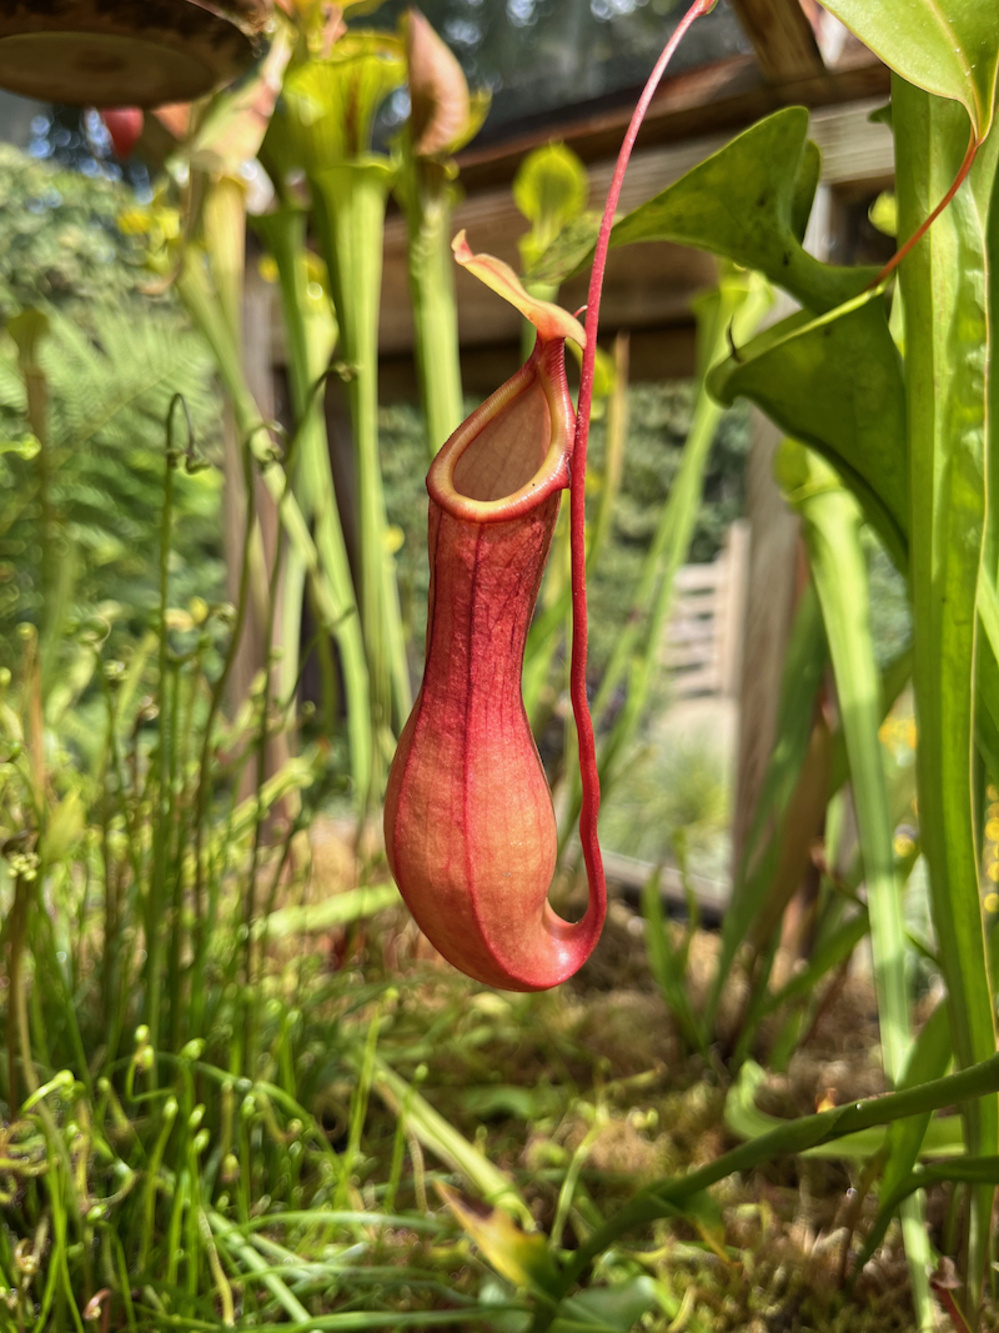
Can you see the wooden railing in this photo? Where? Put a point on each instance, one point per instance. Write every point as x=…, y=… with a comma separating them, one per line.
x=703, y=645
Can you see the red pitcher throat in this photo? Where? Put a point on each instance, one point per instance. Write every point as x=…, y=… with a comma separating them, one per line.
x=469, y=826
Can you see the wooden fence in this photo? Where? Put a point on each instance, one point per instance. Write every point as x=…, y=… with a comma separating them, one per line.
x=702, y=650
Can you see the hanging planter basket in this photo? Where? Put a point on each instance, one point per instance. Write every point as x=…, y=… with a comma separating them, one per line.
x=126, y=52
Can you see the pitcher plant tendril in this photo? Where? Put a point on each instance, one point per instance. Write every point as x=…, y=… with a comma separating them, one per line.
x=470, y=830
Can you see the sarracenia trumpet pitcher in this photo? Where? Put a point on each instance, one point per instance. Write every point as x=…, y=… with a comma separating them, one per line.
x=469, y=826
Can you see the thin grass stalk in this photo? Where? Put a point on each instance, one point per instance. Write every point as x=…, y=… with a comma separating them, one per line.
x=260, y=748
x=203, y=795
x=804, y=665
x=155, y=906
x=174, y=862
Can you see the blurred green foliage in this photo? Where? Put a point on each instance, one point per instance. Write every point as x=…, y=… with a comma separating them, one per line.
x=658, y=422
x=659, y=418
x=113, y=358
x=60, y=243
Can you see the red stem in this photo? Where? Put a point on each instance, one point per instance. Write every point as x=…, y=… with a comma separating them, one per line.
x=577, y=494
x=924, y=227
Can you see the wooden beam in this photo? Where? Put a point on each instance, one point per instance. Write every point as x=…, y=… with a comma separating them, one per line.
x=782, y=38
x=648, y=286
x=719, y=99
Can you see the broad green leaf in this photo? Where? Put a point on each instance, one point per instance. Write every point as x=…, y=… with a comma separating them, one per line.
x=836, y=384
x=987, y=670
x=749, y=202
x=806, y=182
x=568, y=253
x=948, y=47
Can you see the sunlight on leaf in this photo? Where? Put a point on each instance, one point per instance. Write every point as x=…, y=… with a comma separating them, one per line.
x=946, y=48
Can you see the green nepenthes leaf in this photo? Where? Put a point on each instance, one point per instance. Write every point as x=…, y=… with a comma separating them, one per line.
x=836, y=383
x=749, y=202
x=571, y=250
x=947, y=47
x=987, y=668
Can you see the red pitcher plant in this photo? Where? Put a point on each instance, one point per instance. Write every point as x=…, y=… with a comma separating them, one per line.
x=469, y=826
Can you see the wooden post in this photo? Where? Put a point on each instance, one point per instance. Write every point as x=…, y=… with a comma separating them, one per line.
x=770, y=600
x=774, y=558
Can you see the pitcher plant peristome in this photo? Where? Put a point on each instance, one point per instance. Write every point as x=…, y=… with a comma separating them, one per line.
x=469, y=827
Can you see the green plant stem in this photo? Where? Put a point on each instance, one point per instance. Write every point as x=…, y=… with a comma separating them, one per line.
x=350, y=200
x=155, y=905
x=428, y=197
x=944, y=287
x=203, y=795
x=670, y=1197
x=311, y=338
x=832, y=521
x=333, y=596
